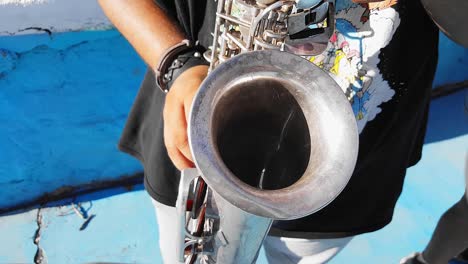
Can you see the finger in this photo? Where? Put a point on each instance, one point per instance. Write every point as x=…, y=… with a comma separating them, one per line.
x=179, y=160
x=176, y=139
x=184, y=148
x=182, y=141
x=184, y=145
x=188, y=101
x=179, y=130
x=175, y=129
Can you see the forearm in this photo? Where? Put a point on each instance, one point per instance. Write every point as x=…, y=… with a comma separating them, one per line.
x=145, y=25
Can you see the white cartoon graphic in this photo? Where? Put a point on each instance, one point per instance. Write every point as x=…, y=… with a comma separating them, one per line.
x=353, y=53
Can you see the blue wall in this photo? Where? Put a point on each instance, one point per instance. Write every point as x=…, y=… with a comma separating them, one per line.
x=63, y=103
x=64, y=100
x=453, y=62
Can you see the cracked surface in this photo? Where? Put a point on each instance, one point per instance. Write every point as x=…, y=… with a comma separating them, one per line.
x=39, y=257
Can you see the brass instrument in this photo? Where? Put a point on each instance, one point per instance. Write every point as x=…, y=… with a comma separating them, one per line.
x=272, y=135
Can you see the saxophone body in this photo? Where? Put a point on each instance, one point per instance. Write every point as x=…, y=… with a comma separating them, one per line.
x=272, y=135
x=302, y=28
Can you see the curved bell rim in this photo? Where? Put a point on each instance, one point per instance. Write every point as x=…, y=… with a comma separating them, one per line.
x=324, y=131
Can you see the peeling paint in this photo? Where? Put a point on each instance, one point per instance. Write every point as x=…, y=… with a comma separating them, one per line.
x=46, y=30
x=25, y=16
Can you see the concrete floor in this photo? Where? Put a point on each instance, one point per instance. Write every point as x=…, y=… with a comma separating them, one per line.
x=119, y=225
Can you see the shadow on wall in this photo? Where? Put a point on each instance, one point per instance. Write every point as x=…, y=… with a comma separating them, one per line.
x=88, y=192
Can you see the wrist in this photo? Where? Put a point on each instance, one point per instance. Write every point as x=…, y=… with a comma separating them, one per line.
x=188, y=82
x=188, y=64
x=196, y=73
x=175, y=61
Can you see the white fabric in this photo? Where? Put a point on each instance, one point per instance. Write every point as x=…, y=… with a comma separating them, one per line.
x=285, y=250
x=278, y=250
x=166, y=216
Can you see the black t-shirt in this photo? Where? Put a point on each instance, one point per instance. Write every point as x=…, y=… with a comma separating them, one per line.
x=384, y=60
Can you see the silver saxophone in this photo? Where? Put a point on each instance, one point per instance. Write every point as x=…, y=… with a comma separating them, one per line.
x=272, y=135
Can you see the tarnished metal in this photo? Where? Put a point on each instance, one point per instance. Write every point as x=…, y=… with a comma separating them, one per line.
x=244, y=25
x=238, y=117
x=272, y=135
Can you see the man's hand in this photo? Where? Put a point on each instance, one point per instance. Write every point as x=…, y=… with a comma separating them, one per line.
x=373, y=4
x=176, y=113
x=382, y=4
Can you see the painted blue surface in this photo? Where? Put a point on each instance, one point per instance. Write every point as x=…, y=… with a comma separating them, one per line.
x=16, y=239
x=122, y=230
x=445, y=119
x=453, y=62
x=431, y=187
x=24, y=43
x=106, y=237
x=62, y=108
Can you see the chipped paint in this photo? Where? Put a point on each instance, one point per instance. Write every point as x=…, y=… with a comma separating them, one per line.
x=19, y=17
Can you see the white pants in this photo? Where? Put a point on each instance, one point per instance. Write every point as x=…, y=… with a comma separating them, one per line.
x=278, y=250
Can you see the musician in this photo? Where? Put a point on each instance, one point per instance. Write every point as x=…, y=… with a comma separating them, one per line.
x=391, y=115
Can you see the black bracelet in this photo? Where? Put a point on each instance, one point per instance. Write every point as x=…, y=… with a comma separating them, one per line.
x=184, y=62
x=167, y=59
x=176, y=60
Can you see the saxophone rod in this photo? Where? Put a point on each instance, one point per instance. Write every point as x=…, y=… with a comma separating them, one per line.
x=233, y=19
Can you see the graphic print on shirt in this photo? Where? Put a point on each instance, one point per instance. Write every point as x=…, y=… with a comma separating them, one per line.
x=352, y=57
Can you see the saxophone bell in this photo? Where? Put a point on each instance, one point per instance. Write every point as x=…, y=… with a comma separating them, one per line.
x=272, y=135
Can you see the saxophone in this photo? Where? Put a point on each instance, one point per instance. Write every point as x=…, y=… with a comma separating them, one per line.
x=272, y=135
